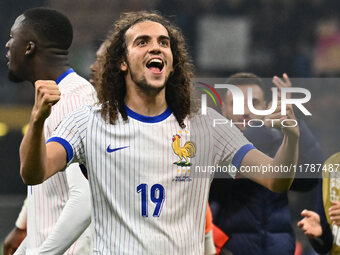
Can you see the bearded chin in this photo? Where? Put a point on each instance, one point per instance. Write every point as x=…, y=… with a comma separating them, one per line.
x=149, y=89
x=14, y=78
x=146, y=87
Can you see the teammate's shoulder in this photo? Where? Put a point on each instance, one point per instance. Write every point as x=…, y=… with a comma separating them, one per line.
x=91, y=108
x=213, y=112
x=210, y=113
x=80, y=78
x=76, y=84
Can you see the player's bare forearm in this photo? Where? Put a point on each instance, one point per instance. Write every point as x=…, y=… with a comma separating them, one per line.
x=284, y=164
x=284, y=161
x=286, y=158
x=33, y=155
x=39, y=161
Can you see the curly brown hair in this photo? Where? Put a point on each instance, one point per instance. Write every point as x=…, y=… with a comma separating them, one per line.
x=112, y=88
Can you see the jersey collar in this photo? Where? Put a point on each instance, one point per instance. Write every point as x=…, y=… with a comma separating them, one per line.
x=148, y=119
x=63, y=75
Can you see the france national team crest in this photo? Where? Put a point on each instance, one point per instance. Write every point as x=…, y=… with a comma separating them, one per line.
x=188, y=150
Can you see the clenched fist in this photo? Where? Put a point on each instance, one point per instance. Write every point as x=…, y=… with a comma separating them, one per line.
x=46, y=94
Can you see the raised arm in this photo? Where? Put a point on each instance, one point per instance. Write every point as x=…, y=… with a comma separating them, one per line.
x=286, y=157
x=39, y=161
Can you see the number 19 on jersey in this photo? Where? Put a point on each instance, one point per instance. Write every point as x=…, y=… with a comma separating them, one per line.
x=157, y=196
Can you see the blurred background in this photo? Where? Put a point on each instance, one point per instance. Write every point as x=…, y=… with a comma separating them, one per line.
x=267, y=37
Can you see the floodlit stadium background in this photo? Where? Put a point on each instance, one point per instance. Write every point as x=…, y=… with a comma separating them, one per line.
x=267, y=37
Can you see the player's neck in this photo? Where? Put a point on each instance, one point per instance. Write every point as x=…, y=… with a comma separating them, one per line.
x=50, y=70
x=147, y=105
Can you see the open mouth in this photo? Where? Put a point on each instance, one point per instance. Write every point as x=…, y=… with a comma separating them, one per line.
x=155, y=65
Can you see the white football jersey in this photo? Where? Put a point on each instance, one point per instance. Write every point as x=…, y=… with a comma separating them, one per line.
x=46, y=201
x=147, y=197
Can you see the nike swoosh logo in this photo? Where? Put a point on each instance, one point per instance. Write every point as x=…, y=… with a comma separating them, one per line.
x=109, y=150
